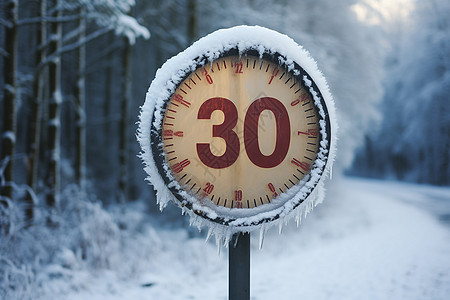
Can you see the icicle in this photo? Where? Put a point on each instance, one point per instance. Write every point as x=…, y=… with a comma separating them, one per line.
x=298, y=217
x=262, y=231
x=210, y=232
x=194, y=222
x=280, y=227
x=227, y=239
x=236, y=240
x=219, y=245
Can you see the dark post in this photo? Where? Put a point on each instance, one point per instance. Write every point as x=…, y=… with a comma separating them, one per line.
x=239, y=267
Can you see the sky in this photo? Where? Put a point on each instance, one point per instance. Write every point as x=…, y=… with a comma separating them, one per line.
x=386, y=10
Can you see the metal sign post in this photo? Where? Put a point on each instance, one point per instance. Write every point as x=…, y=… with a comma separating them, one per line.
x=239, y=267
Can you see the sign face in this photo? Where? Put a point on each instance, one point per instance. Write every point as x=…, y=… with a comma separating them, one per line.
x=240, y=131
x=241, y=138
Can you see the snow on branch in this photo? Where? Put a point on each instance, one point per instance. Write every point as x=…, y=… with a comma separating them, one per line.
x=112, y=14
x=5, y=23
x=3, y=52
x=9, y=135
x=128, y=26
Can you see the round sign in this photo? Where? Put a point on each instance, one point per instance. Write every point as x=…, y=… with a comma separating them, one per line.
x=241, y=133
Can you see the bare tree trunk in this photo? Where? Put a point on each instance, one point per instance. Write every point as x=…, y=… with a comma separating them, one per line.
x=80, y=95
x=192, y=27
x=123, y=124
x=9, y=114
x=54, y=114
x=34, y=142
x=108, y=96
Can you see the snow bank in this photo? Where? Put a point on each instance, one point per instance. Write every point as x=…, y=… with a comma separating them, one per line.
x=211, y=47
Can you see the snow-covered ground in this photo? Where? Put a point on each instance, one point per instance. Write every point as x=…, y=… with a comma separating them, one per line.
x=368, y=240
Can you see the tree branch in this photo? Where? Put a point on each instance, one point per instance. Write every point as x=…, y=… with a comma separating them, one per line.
x=71, y=47
x=71, y=35
x=63, y=19
x=157, y=12
x=5, y=23
x=3, y=52
x=102, y=54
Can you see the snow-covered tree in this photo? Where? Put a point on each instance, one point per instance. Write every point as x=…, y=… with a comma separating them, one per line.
x=413, y=142
x=8, y=137
x=54, y=107
x=62, y=27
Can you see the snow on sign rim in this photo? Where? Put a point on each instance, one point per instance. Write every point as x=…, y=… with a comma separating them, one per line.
x=233, y=47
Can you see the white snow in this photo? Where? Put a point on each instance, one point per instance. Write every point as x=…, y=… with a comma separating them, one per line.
x=372, y=240
x=9, y=88
x=212, y=46
x=55, y=122
x=9, y=135
x=129, y=27
x=112, y=14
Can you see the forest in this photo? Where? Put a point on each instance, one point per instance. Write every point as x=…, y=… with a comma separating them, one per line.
x=74, y=74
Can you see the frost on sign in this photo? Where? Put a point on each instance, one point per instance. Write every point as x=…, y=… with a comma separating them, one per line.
x=238, y=130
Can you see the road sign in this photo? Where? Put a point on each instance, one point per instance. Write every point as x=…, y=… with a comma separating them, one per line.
x=239, y=129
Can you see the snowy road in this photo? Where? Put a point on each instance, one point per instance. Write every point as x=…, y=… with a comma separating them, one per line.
x=369, y=240
x=366, y=242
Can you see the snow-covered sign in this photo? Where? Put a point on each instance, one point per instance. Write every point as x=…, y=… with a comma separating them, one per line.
x=238, y=130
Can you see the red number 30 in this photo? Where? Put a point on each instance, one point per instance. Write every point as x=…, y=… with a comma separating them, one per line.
x=226, y=132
